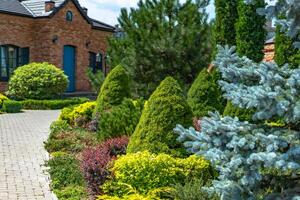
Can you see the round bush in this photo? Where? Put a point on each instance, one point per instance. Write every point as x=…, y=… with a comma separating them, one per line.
x=114, y=89
x=165, y=108
x=144, y=172
x=205, y=94
x=37, y=81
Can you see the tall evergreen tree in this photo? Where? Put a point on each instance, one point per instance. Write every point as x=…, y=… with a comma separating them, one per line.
x=163, y=38
x=226, y=17
x=250, y=30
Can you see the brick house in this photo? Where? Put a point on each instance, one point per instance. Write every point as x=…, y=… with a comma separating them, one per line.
x=55, y=31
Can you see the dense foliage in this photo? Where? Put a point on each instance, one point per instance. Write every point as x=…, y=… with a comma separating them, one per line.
x=82, y=114
x=205, y=94
x=119, y=120
x=113, y=91
x=226, y=18
x=2, y=99
x=144, y=172
x=37, y=81
x=250, y=31
x=10, y=106
x=234, y=111
x=59, y=171
x=163, y=38
x=96, y=79
x=94, y=163
x=165, y=108
x=54, y=104
x=284, y=49
x=67, y=139
x=245, y=153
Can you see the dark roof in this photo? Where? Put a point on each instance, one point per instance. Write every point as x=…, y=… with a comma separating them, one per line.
x=13, y=6
x=100, y=25
x=36, y=9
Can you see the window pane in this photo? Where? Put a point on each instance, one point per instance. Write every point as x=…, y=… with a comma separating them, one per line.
x=12, y=59
x=3, y=62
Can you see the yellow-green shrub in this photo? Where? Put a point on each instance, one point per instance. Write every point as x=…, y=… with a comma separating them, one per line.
x=144, y=172
x=78, y=115
x=2, y=98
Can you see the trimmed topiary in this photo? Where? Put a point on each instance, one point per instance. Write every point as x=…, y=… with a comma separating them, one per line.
x=205, y=94
x=166, y=108
x=234, y=111
x=37, y=81
x=114, y=89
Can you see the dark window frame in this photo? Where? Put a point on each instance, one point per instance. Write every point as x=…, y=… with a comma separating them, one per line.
x=21, y=58
x=69, y=16
x=94, y=64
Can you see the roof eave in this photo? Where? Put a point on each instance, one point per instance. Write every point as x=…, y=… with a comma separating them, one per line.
x=103, y=29
x=15, y=14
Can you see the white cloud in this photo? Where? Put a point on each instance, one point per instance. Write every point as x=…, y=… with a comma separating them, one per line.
x=108, y=11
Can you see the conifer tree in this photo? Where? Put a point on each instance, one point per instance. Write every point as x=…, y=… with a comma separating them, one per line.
x=226, y=17
x=285, y=51
x=250, y=30
x=163, y=38
x=165, y=108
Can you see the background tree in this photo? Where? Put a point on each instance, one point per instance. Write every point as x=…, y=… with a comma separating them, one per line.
x=163, y=38
x=251, y=32
x=226, y=17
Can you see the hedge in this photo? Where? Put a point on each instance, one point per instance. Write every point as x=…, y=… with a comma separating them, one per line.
x=51, y=104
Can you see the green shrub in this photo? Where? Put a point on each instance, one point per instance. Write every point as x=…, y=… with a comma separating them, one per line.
x=71, y=193
x=114, y=89
x=234, y=111
x=205, y=94
x=2, y=99
x=144, y=172
x=51, y=104
x=65, y=139
x=119, y=120
x=82, y=114
x=10, y=106
x=37, y=81
x=64, y=171
x=191, y=190
x=58, y=126
x=165, y=108
x=96, y=79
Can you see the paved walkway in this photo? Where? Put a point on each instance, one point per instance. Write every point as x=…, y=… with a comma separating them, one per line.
x=22, y=155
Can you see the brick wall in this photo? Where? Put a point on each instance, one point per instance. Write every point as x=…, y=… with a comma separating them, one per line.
x=38, y=34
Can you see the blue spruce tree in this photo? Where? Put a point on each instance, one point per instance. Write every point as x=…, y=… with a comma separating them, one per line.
x=257, y=160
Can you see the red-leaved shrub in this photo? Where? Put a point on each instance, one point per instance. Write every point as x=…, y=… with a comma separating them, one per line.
x=94, y=163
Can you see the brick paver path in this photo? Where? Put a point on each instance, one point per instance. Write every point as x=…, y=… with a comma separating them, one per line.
x=22, y=155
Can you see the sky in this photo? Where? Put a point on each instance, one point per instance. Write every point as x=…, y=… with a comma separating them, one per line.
x=108, y=11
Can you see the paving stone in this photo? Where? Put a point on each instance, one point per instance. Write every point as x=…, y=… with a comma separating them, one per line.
x=22, y=155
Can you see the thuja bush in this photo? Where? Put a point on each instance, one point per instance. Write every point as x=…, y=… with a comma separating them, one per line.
x=165, y=108
x=205, y=94
x=94, y=163
x=144, y=172
x=113, y=91
x=119, y=120
x=37, y=81
x=245, y=153
x=235, y=111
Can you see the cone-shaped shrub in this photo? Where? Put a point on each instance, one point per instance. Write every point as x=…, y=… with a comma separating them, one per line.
x=166, y=108
x=114, y=89
x=205, y=94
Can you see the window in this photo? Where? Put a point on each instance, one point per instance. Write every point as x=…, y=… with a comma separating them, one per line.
x=95, y=61
x=69, y=16
x=11, y=57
